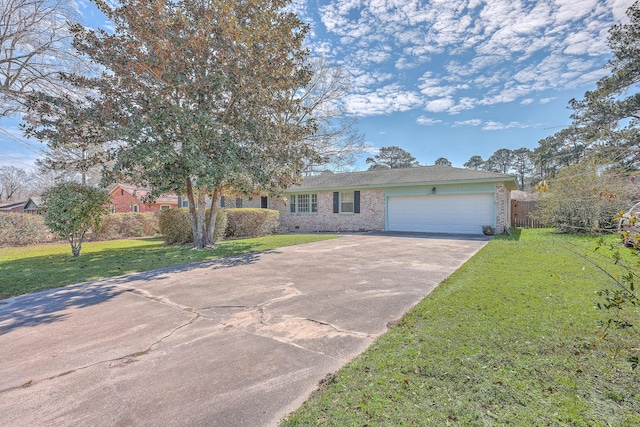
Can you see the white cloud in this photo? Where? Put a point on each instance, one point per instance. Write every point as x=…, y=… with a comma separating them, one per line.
x=427, y=121
x=405, y=64
x=385, y=100
x=494, y=125
x=619, y=9
x=463, y=104
x=439, y=105
x=472, y=122
x=484, y=53
x=370, y=149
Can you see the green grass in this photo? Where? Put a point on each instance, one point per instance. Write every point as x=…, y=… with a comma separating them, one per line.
x=30, y=269
x=509, y=339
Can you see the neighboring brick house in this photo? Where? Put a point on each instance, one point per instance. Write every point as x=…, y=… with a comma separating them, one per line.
x=128, y=198
x=436, y=199
x=34, y=206
x=15, y=207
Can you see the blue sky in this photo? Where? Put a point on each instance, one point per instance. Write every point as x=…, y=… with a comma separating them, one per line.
x=446, y=78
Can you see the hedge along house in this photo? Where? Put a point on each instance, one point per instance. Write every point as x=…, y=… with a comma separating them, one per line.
x=431, y=199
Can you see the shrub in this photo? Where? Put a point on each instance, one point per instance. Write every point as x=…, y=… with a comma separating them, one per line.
x=18, y=229
x=251, y=222
x=175, y=226
x=126, y=225
x=222, y=222
x=583, y=198
x=73, y=209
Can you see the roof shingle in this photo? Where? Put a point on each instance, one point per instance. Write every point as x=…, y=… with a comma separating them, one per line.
x=397, y=177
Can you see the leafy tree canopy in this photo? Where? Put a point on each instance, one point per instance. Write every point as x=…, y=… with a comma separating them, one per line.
x=522, y=165
x=392, y=157
x=72, y=210
x=500, y=161
x=200, y=96
x=442, y=161
x=475, y=162
x=72, y=127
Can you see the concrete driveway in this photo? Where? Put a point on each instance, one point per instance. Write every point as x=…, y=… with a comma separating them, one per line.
x=238, y=342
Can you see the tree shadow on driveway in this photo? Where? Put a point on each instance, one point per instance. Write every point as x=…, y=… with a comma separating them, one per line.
x=50, y=306
x=53, y=305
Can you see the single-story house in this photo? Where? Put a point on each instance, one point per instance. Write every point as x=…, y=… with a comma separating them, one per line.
x=128, y=198
x=432, y=199
x=15, y=207
x=34, y=206
x=232, y=202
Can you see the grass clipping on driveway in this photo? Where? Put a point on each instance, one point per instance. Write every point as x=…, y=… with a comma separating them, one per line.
x=510, y=338
x=31, y=269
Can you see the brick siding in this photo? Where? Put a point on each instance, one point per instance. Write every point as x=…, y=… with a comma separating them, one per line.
x=371, y=218
x=503, y=206
x=124, y=202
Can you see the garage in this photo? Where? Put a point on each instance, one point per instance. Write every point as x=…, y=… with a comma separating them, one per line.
x=464, y=213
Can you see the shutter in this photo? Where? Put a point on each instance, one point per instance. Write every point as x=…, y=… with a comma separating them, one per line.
x=336, y=202
x=222, y=201
x=356, y=202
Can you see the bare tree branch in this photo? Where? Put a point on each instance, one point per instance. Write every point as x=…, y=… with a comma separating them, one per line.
x=35, y=48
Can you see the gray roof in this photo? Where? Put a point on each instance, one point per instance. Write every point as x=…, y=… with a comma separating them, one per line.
x=428, y=175
x=35, y=200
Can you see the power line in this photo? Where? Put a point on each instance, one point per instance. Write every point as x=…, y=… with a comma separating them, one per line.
x=13, y=161
x=20, y=142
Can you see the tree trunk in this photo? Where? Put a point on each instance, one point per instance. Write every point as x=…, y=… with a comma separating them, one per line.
x=200, y=234
x=76, y=245
x=211, y=226
x=192, y=209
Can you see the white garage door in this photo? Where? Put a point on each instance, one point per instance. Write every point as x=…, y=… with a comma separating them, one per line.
x=441, y=214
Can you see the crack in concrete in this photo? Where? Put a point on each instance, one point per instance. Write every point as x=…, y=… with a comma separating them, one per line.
x=126, y=358
x=251, y=316
x=214, y=307
x=342, y=331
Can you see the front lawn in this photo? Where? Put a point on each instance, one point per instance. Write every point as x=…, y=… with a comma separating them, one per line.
x=509, y=339
x=30, y=269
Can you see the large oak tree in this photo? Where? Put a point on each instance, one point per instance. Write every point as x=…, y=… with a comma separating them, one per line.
x=200, y=96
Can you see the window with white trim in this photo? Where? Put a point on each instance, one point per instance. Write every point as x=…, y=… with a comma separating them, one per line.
x=346, y=202
x=303, y=203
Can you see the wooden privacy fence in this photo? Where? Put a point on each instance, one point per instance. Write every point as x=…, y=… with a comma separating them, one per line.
x=520, y=214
